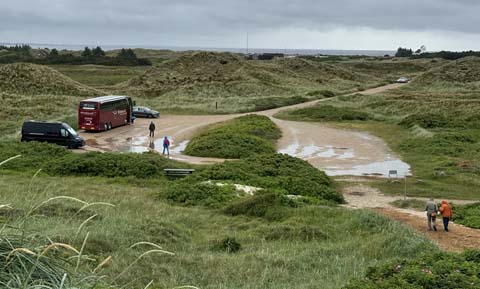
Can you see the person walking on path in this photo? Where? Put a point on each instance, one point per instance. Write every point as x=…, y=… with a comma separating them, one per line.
x=166, y=145
x=447, y=214
x=431, y=209
x=151, y=128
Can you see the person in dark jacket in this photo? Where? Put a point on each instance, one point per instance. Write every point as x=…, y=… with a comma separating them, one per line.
x=151, y=128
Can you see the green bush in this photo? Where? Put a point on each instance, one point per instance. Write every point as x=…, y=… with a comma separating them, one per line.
x=109, y=165
x=276, y=172
x=57, y=160
x=324, y=93
x=238, y=138
x=468, y=215
x=293, y=232
x=327, y=113
x=229, y=245
x=447, y=119
x=201, y=193
x=267, y=205
x=34, y=155
x=455, y=144
x=425, y=120
x=435, y=271
x=274, y=102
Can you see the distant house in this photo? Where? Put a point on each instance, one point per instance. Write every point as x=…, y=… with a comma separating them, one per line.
x=265, y=56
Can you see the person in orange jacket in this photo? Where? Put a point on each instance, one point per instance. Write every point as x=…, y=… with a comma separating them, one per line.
x=447, y=213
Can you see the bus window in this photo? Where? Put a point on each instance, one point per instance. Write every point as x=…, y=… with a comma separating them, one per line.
x=86, y=105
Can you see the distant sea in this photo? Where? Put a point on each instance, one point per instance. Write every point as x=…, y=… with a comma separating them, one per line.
x=235, y=50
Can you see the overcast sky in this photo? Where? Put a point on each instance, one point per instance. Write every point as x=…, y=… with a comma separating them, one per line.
x=309, y=24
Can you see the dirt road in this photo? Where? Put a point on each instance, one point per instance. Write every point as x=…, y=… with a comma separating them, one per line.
x=457, y=239
x=336, y=151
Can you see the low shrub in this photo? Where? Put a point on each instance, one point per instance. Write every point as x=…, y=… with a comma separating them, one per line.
x=228, y=145
x=324, y=93
x=327, y=113
x=197, y=194
x=468, y=215
x=425, y=120
x=274, y=102
x=454, y=144
x=275, y=172
x=263, y=205
x=435, y=271
x=229, y=245
x=238, y=138
x=57, y=160
x=409, y=204
x=293, y=232
x=110, y=165
x=34, y=155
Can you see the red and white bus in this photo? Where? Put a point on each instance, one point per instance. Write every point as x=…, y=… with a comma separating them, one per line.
x=105, y=112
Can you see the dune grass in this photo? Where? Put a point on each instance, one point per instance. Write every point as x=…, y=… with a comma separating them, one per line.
x=99, y=76
x=226, y=82
x=308, y=244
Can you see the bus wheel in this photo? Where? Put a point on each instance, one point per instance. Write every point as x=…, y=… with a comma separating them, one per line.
x=110, y=126
x=105, y=127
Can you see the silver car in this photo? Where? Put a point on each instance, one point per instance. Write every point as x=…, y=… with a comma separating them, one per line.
x=402, y=80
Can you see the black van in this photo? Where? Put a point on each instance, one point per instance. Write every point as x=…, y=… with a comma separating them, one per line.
x=53, y=132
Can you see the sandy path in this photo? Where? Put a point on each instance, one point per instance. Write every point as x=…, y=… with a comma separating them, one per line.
x=458, y=239
x=334, y=150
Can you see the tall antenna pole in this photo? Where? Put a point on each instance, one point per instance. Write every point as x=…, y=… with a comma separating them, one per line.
x=247, y=43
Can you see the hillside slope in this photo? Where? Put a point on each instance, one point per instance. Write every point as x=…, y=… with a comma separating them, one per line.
x=32, y=79
x=466, y=70
x=199, y=78
x=30, y=91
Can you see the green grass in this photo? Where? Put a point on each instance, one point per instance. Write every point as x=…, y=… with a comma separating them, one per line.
x=310, y=243
x=324, y=113
x=98, y=76
x=468, y=215
x=238, y=138
x=417, y=205
x=439, y=270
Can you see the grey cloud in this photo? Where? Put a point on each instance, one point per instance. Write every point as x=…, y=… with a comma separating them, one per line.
x=144, y=20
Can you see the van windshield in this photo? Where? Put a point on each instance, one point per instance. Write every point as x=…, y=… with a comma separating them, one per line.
x=71, y=130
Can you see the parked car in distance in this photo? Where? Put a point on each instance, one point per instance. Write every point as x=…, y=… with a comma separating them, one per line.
x=402, y=80
x=58, y=133
x=142, y=111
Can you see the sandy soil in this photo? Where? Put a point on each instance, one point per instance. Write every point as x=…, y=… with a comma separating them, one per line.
x=334, y=150
x=457, y=239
